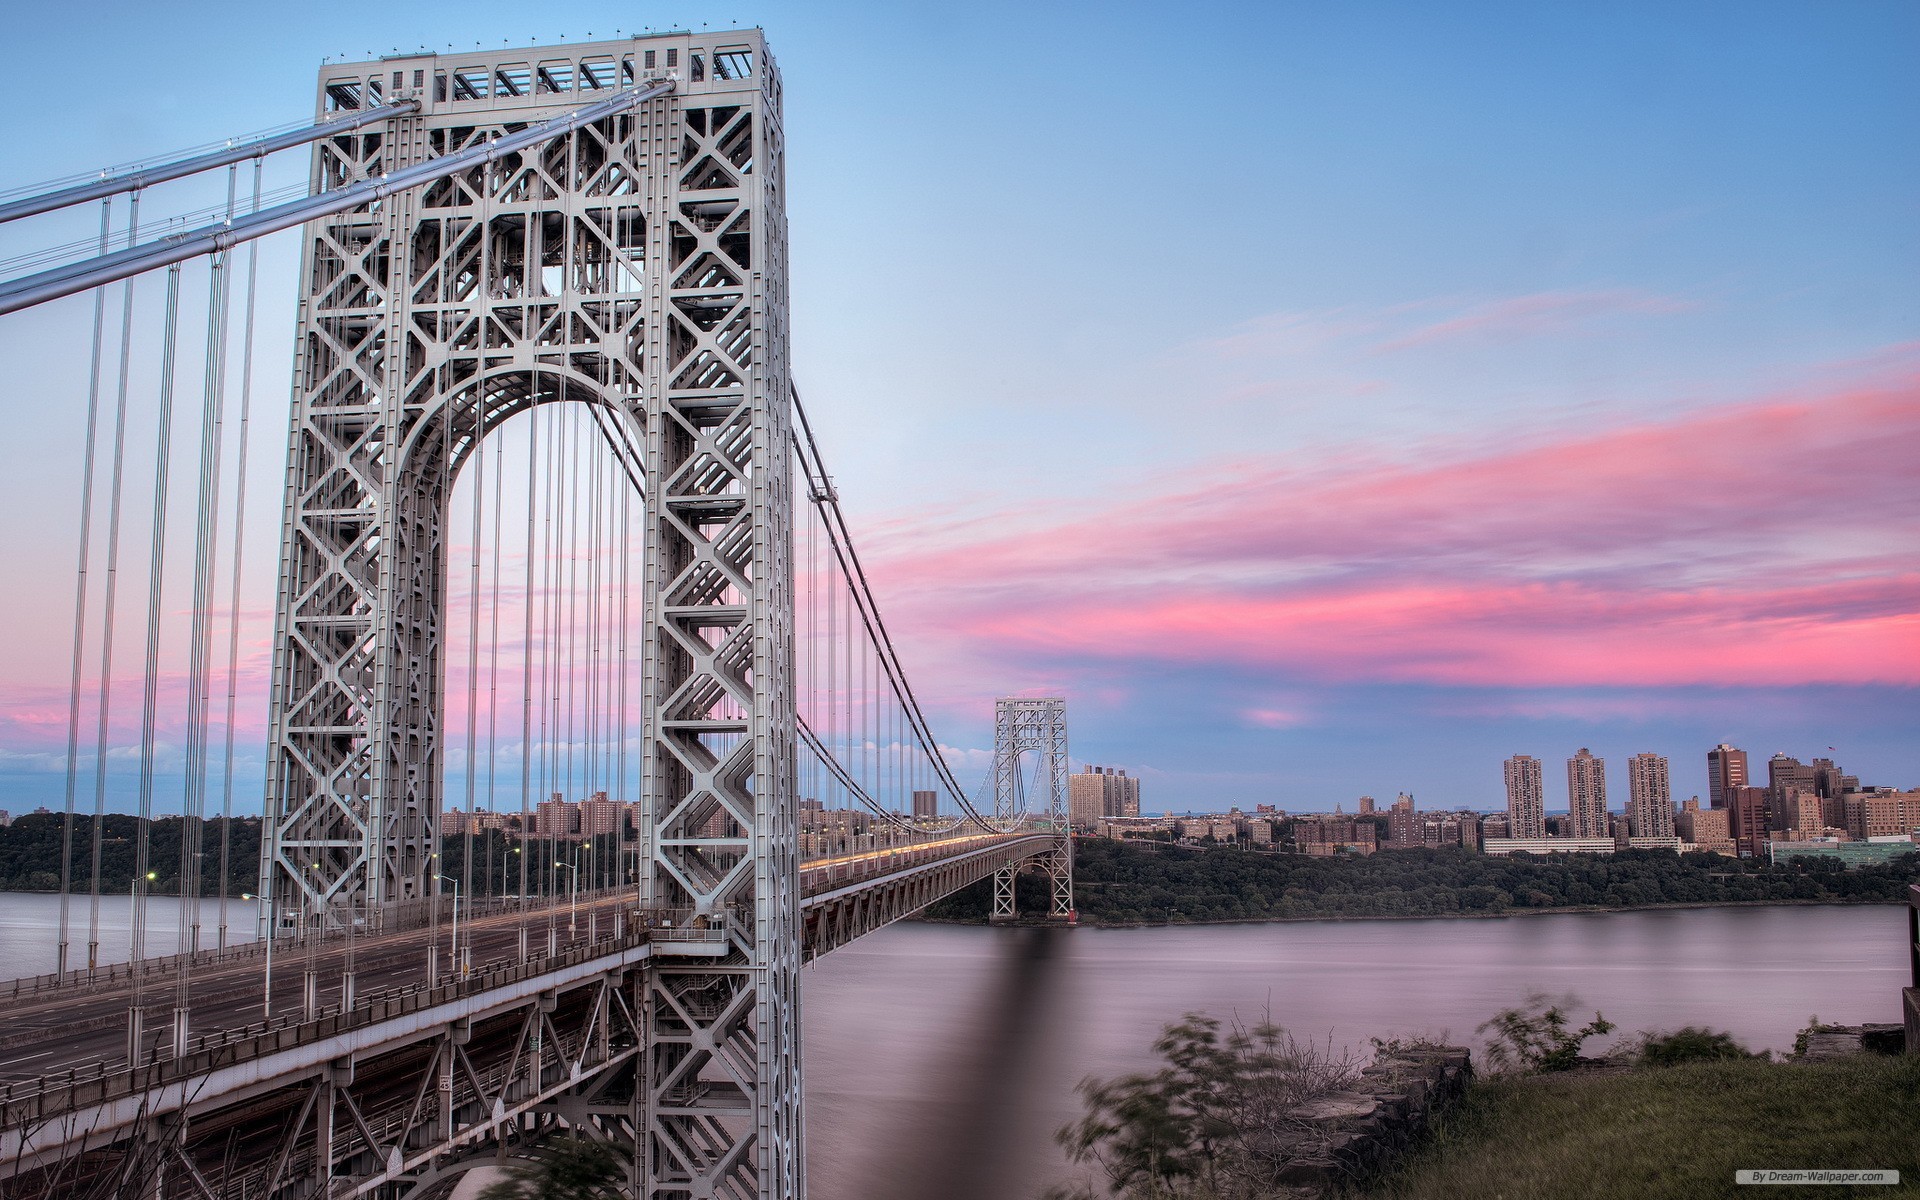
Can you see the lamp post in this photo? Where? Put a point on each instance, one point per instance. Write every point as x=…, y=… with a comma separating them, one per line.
x=459, y=963
x=573, y=894
x=132, y=900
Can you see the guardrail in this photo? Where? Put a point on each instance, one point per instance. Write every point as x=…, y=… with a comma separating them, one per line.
x=23, y=1103
x=411, y=917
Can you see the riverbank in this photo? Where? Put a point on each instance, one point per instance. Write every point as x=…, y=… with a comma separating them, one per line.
x=1119, y=884
x=1038, y=918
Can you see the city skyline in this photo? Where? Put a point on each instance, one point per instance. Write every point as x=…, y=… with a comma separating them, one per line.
x=1449, y=498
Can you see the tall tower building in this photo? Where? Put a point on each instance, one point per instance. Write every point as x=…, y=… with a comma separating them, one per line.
x=1527, y=803
x=1726, y=770
x=1749, y=818
x=1649, y=798
x=1526, y=798
x=1587, y=795
x=1101, y=792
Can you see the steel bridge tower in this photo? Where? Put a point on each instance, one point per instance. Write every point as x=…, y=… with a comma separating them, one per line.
x=637, y=264
x=1039, y=727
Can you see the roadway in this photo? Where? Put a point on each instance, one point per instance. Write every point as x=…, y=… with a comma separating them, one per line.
x=82, y=1027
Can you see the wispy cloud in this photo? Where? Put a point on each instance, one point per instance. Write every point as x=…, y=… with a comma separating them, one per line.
x=1539, y=313
x=1753, y=543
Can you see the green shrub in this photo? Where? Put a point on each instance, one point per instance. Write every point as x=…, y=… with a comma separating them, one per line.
x=1691, y=1044
x=1535, y=1038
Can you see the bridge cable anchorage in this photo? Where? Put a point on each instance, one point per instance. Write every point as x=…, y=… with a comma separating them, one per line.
x=52, y=284
x=139, y=178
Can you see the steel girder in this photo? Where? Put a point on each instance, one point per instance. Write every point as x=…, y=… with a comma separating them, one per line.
x=637, y=264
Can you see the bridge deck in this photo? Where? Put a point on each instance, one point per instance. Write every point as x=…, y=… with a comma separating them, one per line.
x=70, y=1036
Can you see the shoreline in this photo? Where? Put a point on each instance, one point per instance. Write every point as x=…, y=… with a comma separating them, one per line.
x=1565, y=910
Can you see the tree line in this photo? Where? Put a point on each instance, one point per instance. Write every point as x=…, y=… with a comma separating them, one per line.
x=1128, y=883
x=30, y=853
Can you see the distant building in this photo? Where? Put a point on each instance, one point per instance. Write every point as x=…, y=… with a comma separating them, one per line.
x=1850, y=853
x=600, y=816
x=1704, y=828
x=1325, y=837
x=1726, y=770
x=1100, y=792
x=926, y=805
x=1366, y=805
x=1549, y=845
x=556, y=818
x=1403, y=825
x=6, y=818
x=1650, y=800
x=1748, y=819
x=1833, y=784
x=1881, y=812
x=1526, y=797
x=1587, y=794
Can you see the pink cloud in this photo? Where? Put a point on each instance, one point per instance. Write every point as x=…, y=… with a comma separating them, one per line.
x=1750, y=544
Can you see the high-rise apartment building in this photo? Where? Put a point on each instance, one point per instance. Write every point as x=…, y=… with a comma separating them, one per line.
x=1403, y=824
x=1587, y=795
x=1649, y=798
x=1526, y=798
x=600, y=816
x=1366, y=805
x=1749, y=819
x=1726, y=770
x=926, y=805
x=1101, y=792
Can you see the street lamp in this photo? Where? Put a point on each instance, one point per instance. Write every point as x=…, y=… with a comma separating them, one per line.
x=133, y=885
x=573, y=894
x=459, y=962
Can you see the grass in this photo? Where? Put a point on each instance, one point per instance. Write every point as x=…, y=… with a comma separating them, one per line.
x=1670, y=1133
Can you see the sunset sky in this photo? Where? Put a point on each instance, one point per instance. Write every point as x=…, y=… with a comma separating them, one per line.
x=1328, y=399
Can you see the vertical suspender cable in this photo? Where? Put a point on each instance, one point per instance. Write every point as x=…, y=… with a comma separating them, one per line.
x=150, y=698
x=104, y=706
x=206, y=530
x=239, y=549
x=493, y=660
x=80, y=597
x=477, y=455
x=526, y=659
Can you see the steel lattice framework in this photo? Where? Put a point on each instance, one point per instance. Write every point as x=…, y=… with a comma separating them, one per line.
x=1033, y=726
x=636, y=264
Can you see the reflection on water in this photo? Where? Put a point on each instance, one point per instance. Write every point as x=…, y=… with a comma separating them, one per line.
x=940, y=1059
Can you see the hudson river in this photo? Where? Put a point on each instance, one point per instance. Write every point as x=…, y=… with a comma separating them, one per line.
x=939, y=1059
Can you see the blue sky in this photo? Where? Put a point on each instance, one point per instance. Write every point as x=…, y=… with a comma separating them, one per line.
x=1235, y=274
